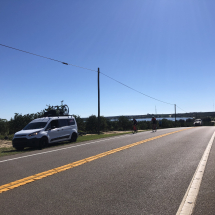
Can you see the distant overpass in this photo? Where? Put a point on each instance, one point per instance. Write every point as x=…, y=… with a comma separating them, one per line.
x=191, y=115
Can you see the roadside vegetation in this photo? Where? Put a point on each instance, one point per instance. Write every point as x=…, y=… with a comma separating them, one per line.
x=19, y=121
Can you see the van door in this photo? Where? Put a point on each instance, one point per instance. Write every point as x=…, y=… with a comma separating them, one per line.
x=64, y=129
x=71, y=123
x=54, y=134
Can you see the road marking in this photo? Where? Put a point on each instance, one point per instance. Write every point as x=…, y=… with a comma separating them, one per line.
x=55, y=150
x=188, y=203
x=12, y=185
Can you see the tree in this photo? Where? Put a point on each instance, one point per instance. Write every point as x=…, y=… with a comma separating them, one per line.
x=20, y=121
x=124, y=124
x=3, y=126
x=142, y=125
x=206, y=119
x=80, y=122
x=182, y=123
x=103, y=124
x=112, y=125
x=91, y=124
x=167, y=123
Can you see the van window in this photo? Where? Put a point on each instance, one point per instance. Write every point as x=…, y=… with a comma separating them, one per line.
x=35, y=125
x=48, y=127
x=71, y=121
x=63, y=122
x=54, y=123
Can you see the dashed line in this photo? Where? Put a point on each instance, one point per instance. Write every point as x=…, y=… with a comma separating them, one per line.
x=41, y=175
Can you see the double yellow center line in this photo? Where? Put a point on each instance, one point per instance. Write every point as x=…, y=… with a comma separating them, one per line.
x=41, y=175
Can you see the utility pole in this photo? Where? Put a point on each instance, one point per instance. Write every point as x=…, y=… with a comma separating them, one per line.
x=175, y=115
x=98, y=103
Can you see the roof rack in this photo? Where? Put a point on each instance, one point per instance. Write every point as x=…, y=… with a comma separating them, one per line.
x=62, y=110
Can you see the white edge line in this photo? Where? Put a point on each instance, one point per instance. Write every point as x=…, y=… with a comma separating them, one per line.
x=101, y=140
x=188, y=203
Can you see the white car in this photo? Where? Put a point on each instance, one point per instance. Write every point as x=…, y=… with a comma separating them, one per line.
x=43, y=131
x=197, y=122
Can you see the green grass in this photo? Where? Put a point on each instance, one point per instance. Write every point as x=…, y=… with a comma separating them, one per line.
x=9, y=151
x=10, y=136
x=96, y=136
x=12, y=151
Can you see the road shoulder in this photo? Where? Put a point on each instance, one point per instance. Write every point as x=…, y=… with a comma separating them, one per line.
x=206, y=197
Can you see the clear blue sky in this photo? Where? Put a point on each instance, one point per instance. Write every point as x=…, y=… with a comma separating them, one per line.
x=162, y=48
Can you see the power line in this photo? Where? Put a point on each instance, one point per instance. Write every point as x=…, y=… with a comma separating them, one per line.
x=86, y=69
x=181, y=109
x=134, y=89
x=33, y=54
x=82, y=67
x=45, y=57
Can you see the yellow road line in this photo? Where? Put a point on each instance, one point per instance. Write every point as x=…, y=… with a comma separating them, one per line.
x=41, y=175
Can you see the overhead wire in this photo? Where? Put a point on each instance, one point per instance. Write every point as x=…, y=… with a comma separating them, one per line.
x=45, y=57
x=135, y=90
x=33, y=54
x=181, y=109
x=86, y=69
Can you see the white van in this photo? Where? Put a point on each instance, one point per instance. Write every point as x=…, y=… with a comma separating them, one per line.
x=197, y=122
x=43, y=131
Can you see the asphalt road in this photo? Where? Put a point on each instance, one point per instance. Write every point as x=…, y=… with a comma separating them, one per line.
x=151, y=177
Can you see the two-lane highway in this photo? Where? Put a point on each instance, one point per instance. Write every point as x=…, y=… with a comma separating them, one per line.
x=144, y=173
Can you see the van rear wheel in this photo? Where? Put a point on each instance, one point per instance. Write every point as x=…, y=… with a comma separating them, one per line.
x=73, y=137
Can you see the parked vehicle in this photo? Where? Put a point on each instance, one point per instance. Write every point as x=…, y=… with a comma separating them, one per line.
x=47, y=130
x=197, y=122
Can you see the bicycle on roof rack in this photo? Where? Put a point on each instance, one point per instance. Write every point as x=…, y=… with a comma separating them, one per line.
x=62, y=110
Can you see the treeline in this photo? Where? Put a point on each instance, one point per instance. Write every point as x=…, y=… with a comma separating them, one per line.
x=124, y=124
x=19, y=121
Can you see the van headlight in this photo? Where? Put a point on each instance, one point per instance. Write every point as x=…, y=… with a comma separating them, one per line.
x=34, y=134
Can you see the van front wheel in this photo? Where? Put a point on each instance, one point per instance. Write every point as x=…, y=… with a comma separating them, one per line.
x=19, y=148
x=43, y=142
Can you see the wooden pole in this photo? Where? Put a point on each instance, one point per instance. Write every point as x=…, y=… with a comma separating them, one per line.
x=98, y=103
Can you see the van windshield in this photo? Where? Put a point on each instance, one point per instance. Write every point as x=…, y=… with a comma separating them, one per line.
x=35, y=125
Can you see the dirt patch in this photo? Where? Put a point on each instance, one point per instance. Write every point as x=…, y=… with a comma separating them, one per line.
x=118, y=132
x=115, y=132
x=5, y=143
